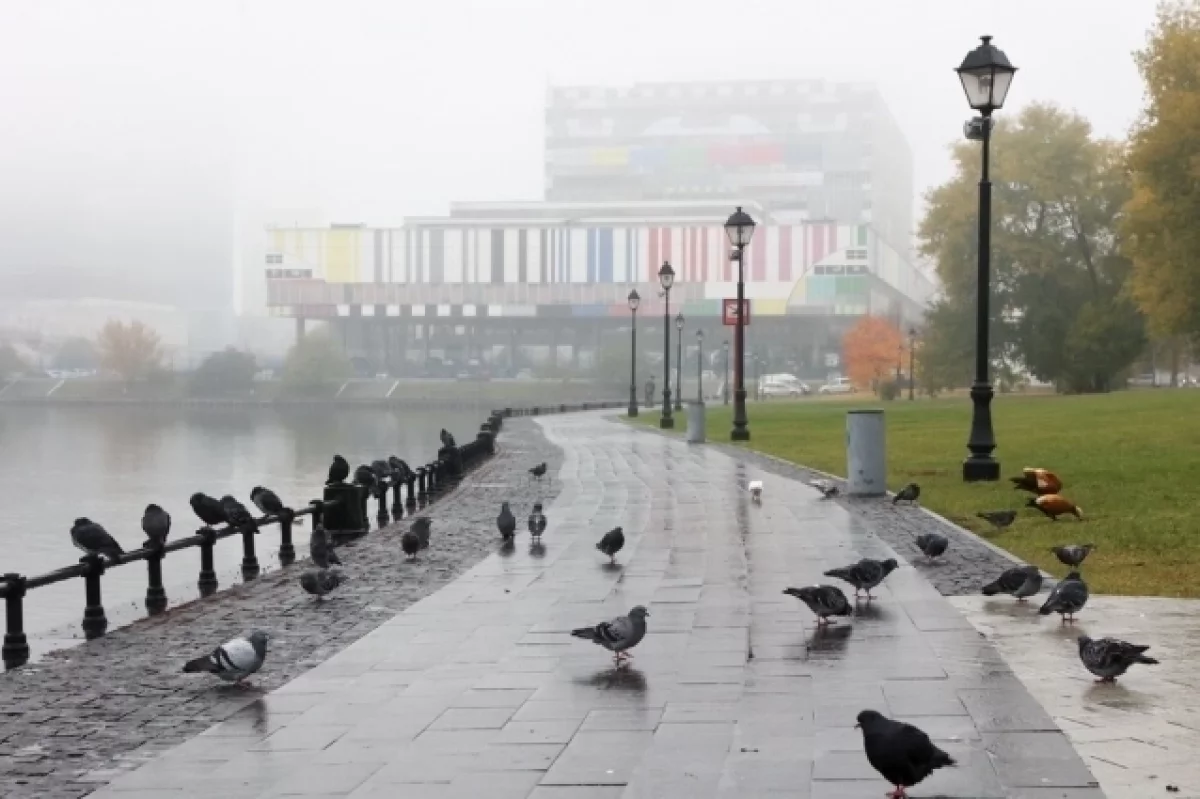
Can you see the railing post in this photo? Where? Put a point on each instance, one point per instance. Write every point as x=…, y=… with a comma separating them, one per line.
x=208, y=576
x=411, y=502
x=16, y=646
x=249, y=558
x=381, y=516
x=487, y=443
x=346, y=519
x=363, y=494
x=422, y=485
x=94, y=620
x=397, y=504
x=156, y=595
x=287, y=550
x=318, y=507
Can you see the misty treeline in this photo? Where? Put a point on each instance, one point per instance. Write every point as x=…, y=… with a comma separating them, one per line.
x=1095, y=244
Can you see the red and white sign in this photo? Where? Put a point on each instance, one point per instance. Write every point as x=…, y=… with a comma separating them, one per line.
x=729, y=312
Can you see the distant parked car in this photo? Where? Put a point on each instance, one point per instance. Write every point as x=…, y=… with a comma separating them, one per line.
x=840, y=385
x=777, y=387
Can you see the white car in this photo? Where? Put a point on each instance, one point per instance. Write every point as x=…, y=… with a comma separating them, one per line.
x=776, y=388
x=840, y=385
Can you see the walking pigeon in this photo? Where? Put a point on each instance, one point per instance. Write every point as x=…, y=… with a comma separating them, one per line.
x=339, y=470
x=1073, y=555
x=537, y=523
x=235, y=660
x=208, y=509
x=618, y=635
x=410, y=544
x=320, y=582
x=932, y=544
x=998, y=518
x=865, y=575
x=756, y=490
x=828, y=488
x=1067, y=598
x=611, y=543
x=268, y=502
x=422, y=528
x=321, y=550
x=823, y=600
x=94, y=539
x=1019, y=581
x=910, y=493
x=1109, y=658
x=900, y=752
x=506, y=522
x=156, y=524
x=239, y=518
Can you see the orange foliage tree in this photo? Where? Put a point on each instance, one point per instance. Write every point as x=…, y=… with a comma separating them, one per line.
x=871, y=349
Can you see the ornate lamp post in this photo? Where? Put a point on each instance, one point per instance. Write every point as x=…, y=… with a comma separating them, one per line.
x=986, y=76
x=634, y=301
x=679, y=362
x=700, y=366
x=725, y=385
x=740, y=229
x=666, y=279
x=912, y=354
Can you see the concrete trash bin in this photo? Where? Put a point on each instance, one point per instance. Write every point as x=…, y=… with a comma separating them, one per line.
x=695, y=422
x=866, y=454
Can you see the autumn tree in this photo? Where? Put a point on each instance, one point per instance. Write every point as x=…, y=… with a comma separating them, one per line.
x=131, y=350
x=871, y=350
x=314, y=362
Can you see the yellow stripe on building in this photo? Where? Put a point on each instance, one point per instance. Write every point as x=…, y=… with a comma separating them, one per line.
x=342, y=255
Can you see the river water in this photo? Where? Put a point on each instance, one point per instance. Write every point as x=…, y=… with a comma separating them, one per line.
x=107, y=463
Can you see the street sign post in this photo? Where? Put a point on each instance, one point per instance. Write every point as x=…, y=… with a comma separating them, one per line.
x=729, y=312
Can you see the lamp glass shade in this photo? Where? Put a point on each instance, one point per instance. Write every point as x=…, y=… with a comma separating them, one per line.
x=679, y=322
x=986, y=77
x=634, y=300
x=739, y=227
x=699, y=334
x=666, y=276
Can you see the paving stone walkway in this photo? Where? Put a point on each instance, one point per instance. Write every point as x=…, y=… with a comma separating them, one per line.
x=478, y=690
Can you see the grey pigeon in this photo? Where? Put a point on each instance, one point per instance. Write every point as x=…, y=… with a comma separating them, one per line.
x=237, y=515
x=910, y=494
x=932, y=544
x=865, y=575
x=365, y=477
x=208, y=509
x=410, y=544
x=399, y=468
x=900, y=752
x=611, y=543
x=321, y=550
x=382, y=473
x=1067, y=598
x=156, y=524
x=618, y=635
x=506, y=522
x=828, y=488
x=320, y=582
x=268, y=502
x=538, y=471
x=1073, y=555
x=339, y=470
x=537, y=522
x=94, y=539
x=1109, y=658
x=823, y=600
x=1019, y=581
x=233, y=661
x=998, y=518
x=422, y=528
x=446, y=439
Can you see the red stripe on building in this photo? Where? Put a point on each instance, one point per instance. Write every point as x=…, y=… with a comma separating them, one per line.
x=704, y=236
x=785, y=253
x=668, y=236
x=727, y=269
x=652, y=267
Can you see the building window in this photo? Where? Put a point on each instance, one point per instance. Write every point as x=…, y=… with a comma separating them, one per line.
x=856, y=255
x=274, y=258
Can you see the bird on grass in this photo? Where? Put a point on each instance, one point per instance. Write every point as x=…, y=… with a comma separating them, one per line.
x=320, y=582
x=339, y=470
x=1019, y=581
x=823, y=600
x=269, y=503
x=1109, y=658
x=94, y=539
x=756, y=490
x=828, y=488
x=422, y=528
x=900, y=752
x=611, y=543
x=537, y=523
x=998, y=518
x=538, y=471
x=236, y=514
x=321, y=550
x=932, y=544
x=234, y=660
x=1055, y=505
x=1073, y=555
x=506, y=523
x=864, y=575
x=156, y=524
x=910, y=494
x=1067, y=598
x=208, y=509
x=618, y=635
x=1037, y=481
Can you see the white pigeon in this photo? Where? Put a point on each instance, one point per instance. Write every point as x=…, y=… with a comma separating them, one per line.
x=235, y=660
x=756, y=489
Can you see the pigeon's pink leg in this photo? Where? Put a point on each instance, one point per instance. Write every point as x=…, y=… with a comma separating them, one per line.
x=897, y=794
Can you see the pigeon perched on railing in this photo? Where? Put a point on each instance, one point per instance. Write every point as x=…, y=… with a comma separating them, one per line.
x=320, y=582
x=933, y=545
x=1109, y=658
x=1073, y=555
x=611, y=543
x=823, y=600
x=382, y=473
x=156, y=524
x=400, y=468
x=321, y=550
x=208, y=509
x=365, y=476
x=236, y=514
x=94, y=539
x=235, y=660
x=447, y=439
x=1067, y=598
x=422, y=527
x=537, y=523
x=910, y=494
x=618, y=635
x=900, y=752
x=339, y=470
x=268, y=502
x=506, y=523
x=1019, y=581
x=865, y=575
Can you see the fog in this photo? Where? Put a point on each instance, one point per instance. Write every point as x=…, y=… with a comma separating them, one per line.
x=138, y=135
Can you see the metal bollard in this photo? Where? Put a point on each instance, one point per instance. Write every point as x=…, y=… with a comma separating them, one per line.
x=16, y=646
x=156, y=595
x=411, y=482
x=249, y=558
x=381, y=516
x=94, y=620
x=397, y=504
x=317, y=507
x=422, y=485
x=287, y=550
x=208, y=575
x=363, y=494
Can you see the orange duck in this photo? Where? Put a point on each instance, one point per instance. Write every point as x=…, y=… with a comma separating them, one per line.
x=1054, y=506
x=1037, y=481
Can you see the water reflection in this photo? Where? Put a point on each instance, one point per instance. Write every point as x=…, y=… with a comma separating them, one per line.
x=537, y=550
x=620, y=678
x=829, y=639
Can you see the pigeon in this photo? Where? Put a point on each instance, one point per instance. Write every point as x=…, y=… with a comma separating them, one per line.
x=539, y=470
x=268, y=502
x=208, y=509
x=1067, y=598
x=399, y=468
x=321, y=550
x=900, y=752
x=932, y=544
x=537, y=522
x=410, y=544
x=611, y=543
x=447, y=439
x=339, y=470
x=823, y=600
x=156, y=524
x=421, y=527
x=506, y=522
x=320, y=582
x=1073, y=555
x=1109, y=658
x=365, y=476
x=94, y=539
x=827, y=488
x=910, y=493
x=618, y=635
x=756, y=489
x=999, y=518
x=239, y=518
x=1020, y=581
x=864, y=575
x=235, y=660
x=382, y=473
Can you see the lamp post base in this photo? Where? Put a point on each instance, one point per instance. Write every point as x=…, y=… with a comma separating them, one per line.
x=741, y=427
x=980, y=466
x=667, y=423
x=633, y=403
x=981, y=470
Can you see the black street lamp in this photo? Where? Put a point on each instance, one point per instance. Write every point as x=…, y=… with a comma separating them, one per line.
x=740, y=229
x=666, y=279
x=634, y=301
x=912, y=355
x=699, y=366
x=679, y=362
x=986, y=76
x=725, y=385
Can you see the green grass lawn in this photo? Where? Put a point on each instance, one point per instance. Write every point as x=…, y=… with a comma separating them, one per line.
x=1130, y=459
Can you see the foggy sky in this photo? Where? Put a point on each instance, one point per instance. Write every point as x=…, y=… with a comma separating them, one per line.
x=134, y=131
